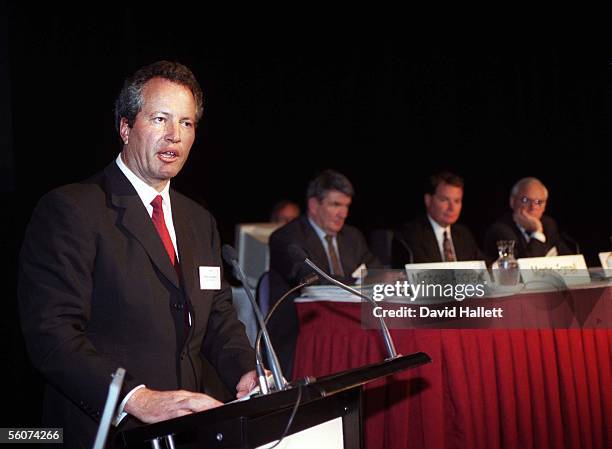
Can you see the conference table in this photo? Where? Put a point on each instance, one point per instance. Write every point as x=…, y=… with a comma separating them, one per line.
x=538, y=387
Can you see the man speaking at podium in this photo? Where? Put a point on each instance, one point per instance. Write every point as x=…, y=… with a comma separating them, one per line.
x=121, y=270
x=339, y=249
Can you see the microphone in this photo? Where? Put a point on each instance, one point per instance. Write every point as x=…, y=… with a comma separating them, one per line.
x=230, y=256
x=298, y=253
x=566, y=237
x=405, y=247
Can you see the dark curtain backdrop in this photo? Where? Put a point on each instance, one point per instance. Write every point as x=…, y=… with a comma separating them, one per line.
x=385, y=111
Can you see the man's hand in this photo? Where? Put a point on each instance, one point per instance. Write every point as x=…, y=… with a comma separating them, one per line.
x=247, y=382
x=527, y=221
x=152, y=406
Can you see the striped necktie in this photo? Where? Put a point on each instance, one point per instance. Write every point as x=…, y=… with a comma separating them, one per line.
x=336, y=268
x=447, y=246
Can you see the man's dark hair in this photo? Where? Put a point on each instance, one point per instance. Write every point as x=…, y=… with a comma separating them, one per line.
x=329, y=180
x=280, y=206
x=443, y=177
x=129, y=102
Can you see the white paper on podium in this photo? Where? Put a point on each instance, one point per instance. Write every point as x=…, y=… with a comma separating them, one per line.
x=330, y=293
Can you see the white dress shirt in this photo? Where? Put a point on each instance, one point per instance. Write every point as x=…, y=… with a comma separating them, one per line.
x=146, y=194
x=321, y=234
x=439, y=233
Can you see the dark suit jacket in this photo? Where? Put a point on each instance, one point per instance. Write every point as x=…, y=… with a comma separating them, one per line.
x=419, y=237
x=98, y=291
x=286, y=271
x=506, y=229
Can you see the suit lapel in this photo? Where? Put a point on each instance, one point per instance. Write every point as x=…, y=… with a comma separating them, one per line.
x=344, y=252
x=314, y=246
x=521, y=242
x=137, y=222
x=185, y=238
x=457, y=243
x=431, y=242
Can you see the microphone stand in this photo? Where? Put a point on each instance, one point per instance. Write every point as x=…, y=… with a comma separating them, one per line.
x=392, y=353
x=309, y=280
x=230, y=253
x=567, y=238
x=405, y=246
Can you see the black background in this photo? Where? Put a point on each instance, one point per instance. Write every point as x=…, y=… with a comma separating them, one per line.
x=386, y=111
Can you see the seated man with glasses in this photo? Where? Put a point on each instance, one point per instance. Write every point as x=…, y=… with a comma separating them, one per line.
x=535, y=234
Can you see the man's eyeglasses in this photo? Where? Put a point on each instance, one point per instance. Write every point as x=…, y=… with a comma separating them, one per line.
x=529, y=201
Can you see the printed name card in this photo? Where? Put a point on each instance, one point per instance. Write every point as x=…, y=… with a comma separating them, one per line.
x=606, y=262
x=461, y=265
x=448, y=273
x=557, y=272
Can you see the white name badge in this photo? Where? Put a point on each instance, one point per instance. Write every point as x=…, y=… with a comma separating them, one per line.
x=571, y=270
x=210, y=278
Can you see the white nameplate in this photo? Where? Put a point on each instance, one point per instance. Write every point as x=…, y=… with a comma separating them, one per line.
x=478, y=267
x=461, y=265
x=556, y=272
x=465, y=271
x=606, y=262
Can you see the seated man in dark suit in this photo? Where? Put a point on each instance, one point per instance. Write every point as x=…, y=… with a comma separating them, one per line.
x=535, y=234
x=436, y=237
x=337, y=248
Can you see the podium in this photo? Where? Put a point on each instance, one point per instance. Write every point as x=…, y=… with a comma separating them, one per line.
x=263, y=419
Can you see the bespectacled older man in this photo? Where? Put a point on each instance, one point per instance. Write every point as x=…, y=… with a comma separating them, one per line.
x=535, y=234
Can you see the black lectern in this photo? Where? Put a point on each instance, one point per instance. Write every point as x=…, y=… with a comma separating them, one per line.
x=263, y=419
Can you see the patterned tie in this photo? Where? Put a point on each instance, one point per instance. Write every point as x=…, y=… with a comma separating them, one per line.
x=447, y=246
x=162, y=230
x=336, y=268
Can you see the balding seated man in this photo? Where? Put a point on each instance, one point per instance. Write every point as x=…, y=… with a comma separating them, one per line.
x=535, y=234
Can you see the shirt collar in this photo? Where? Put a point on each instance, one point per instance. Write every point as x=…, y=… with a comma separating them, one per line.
x=144, y=190
x=438, y=230
x=523, y=231
x=320, y=232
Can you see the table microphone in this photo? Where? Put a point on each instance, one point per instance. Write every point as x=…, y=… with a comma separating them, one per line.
x=230, y=256
x=567, y=238
x=405, y=246
x=298, y=253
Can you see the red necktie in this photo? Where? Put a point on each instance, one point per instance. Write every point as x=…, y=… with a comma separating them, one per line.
x=162, y=230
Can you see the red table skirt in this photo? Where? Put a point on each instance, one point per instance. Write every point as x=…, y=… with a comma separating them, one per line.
x=537, y=388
